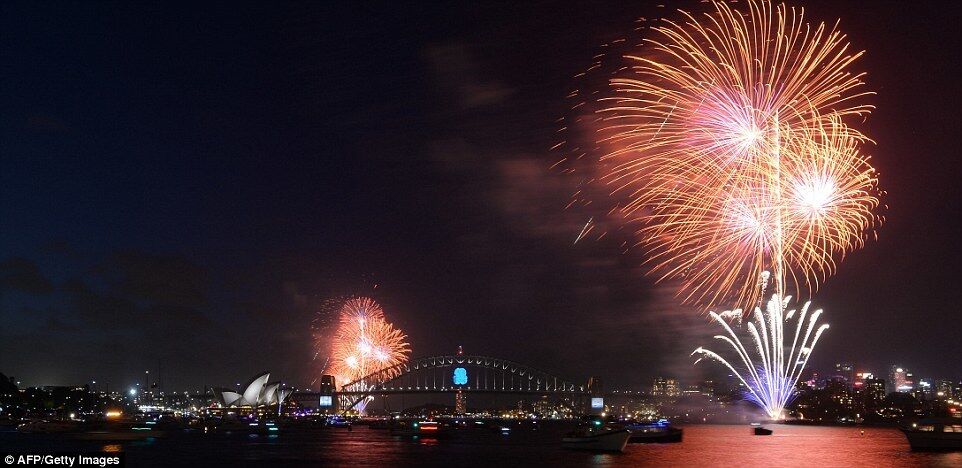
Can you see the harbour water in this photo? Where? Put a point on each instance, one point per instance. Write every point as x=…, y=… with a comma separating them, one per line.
x=703, y=445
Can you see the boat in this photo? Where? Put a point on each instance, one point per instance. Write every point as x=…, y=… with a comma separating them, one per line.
x=225, y=426
x=938, y=434
x=48, y=427
x=416, y=428
x=596, y=437
x=338, y=421
x=653, y=432
x=262, y=428
x=604, y=440
x=758, y=430
x=117, y=436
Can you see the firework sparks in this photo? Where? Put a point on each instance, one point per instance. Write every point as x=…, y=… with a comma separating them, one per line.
x=769, y=368
x=729, y=140
x=364, y=343
x=727, y=137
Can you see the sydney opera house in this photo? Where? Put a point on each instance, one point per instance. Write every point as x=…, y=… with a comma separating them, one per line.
x=259, y=392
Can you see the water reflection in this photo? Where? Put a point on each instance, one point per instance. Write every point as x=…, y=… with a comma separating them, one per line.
x=704, y=445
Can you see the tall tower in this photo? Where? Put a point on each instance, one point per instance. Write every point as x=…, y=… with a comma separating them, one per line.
x=328, y=401
x=900, y=379
x=460, y=378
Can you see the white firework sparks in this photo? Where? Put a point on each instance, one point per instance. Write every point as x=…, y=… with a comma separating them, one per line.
x=769, y=367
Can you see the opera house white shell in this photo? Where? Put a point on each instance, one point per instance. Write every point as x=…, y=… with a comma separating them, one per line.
x=259, y=392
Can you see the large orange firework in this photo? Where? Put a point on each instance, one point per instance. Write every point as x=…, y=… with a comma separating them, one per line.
x=364, y=342
x=728, y=133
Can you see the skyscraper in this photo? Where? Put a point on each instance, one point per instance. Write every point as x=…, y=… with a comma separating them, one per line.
x=900, y=380
x=663, y=387
x=846, y=371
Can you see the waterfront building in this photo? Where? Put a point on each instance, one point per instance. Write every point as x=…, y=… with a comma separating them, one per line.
x=665, y=387
x=925, y=390
x=846, y=371
x=257, y=393
x=874, y=392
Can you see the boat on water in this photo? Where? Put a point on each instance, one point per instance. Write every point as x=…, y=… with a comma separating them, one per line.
x=653, y=432
x=95, y=430
x=605, y=440
x=223, y=426
x=417, y=428
x=940, y=434
x=117, y=435
x=48, y=427
x=338, y=421
x=596, y=437
x=758, y=430
x=263, y=428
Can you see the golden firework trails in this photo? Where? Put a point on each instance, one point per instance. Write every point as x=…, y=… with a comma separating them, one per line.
x=729, y=139
x=365, y=342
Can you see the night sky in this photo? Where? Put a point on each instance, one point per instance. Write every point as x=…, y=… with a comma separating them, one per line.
x=183, y=186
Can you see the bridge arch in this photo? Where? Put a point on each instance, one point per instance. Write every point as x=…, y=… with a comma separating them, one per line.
x=489, y=374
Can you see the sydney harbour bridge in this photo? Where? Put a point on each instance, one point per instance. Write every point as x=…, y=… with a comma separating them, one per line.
x=455, y=374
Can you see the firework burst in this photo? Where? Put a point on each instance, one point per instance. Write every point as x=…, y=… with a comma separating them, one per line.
x=769, y=368
x=364, y=343
x=729, y=140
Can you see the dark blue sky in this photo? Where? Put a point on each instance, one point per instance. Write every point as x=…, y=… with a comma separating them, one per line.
x=186, y=184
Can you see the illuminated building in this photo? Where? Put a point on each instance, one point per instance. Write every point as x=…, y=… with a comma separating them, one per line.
x=943, y=390
x=874, y=391
x=925, y=390
x=861, y=377
x=838, y=391
x=663, y=387
x=543, y=408
x=256, y=393
x=846, y=371
x=900, y=380
x=868, y=393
